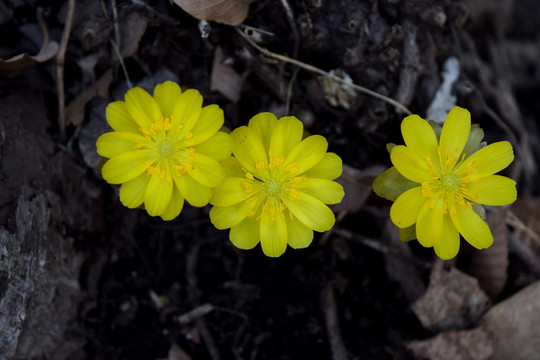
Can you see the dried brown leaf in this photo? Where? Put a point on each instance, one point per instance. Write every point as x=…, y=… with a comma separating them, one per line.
x=230, y=12
x=514, y=325
x=452, y=301
x=489, y=266
x=357, y=186
x=454, y=345
x=176, y=353
x=224, y=79
x=14, y=66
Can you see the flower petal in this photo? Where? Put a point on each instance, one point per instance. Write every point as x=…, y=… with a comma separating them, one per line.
x=455, y=131
x=429, y=224
x=225, y=217
x=209, y=123
x=175, y=205
x=273, y=233
x=218, y=147
x=158, y=195
x=248, y=148
x=115, y=143
x=194, y=193
x=330, y=167
x=142, y=107
x=311, y=212
x=390, y=184
x=263, y=125
x=419, y=136
x=409, y=164
x=119, y=119
x=488, y=160
x=186, y=111
x=246, y=234
x=326, y=191
x=473, y=228
x=404, y=211
x=232, y=167
x=307, y=154
x=132, y=192
x=448, y=245
x=166, y=94
x=125, y=167
x=299, y=236
x=231, y=191
x=207, y=171
x=286, y=135
x=494, y=190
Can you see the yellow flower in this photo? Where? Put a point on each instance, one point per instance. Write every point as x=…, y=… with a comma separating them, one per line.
x=164, y=148
x=277, y=186
x=437, y=184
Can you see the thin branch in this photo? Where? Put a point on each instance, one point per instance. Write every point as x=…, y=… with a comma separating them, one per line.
x=399, y=107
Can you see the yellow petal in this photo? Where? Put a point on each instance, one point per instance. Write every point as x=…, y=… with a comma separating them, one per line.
x=263, y=125
x=175, y=205
x=246, y=234
x=158, y=195
x=125, y=167
x=248, y=149
x=142, y=107
x=207, y=171
x=119, y=119
x=409, y=164
x=429, y=224
x=273, y=233
x=225, y=217
x=311, y=212
x=210, y=121
x=494, y=190
x=218, y=147
x=231, y=191
x=326, y=191
x=166, y=94
x=419, y=136
x=390, y=184
x=287, y=134
x=473, y=228
x=448, y=245
x=186, y=111
x=307, y=154
x=488, y=160
x=404, y=211
x=455, y=131
x=330, y=167
x=115, y=143
x=194, y=193
x=132, y=192
x=232, y=167
x=299, y=236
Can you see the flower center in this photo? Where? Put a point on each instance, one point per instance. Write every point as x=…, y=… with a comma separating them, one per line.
x=272, y=187
x=165, y=148
x=449, y=182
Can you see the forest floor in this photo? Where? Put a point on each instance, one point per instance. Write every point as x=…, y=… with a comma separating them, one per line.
x=82, y=277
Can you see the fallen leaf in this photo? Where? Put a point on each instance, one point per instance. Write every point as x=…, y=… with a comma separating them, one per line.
x=514, y=325
x=357, y=186
x=230, y=12
x=454, y=345
x=14, y=66
x=452, y=301
x=224, y=78
x=176, y=353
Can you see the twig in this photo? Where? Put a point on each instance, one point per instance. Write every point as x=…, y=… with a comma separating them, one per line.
x=60, y=58
x=339, y=352
x=290, y=91
x=292, y=24
x=513, y=220
x=195, y=313
x=399, y=107
x=207, y=338
x=523, y=252
x=44, y=30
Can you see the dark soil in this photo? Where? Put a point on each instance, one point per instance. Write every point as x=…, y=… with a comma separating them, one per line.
x=133, y=277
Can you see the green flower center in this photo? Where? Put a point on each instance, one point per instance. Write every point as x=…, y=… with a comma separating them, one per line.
x=165, y=148
x=272, y=187
x=450, y=182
